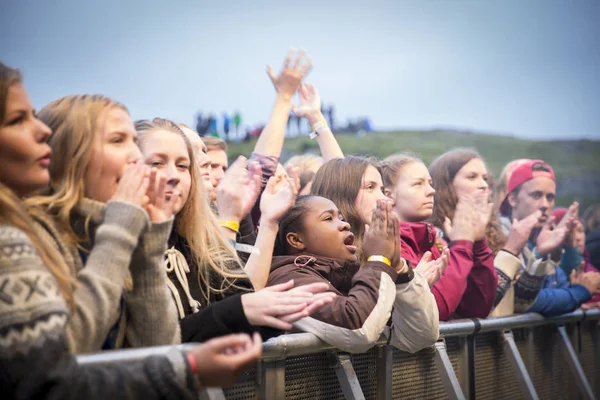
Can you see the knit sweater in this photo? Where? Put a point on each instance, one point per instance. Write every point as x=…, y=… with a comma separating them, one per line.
x=35, y=361
x=122, y=242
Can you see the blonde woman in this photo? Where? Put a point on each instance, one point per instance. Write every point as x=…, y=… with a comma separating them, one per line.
x=105, y=212
x=213, y=291
x=35, y=361
x=308, y=164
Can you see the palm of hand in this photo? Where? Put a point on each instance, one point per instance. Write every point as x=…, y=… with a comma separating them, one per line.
x=274, y=205
x=549, y=240
x=288, y=80
x=309, y=100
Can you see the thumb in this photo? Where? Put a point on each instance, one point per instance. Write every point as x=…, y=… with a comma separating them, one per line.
x=271, y=74
x=573, y=276
x=270, y=188
x=295, y=110
x=426, y=257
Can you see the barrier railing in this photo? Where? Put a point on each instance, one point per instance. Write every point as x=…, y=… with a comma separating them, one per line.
x=521, y=356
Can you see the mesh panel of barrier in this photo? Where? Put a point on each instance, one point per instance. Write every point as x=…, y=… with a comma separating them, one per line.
x=414, y=376
x=494, y=376
x=310, y=377
x=245, y=388
x=551, y=376
x=587, y=354
x=365, y=366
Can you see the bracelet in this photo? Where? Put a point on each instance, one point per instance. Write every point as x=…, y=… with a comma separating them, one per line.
x=316, y=128
x=231, y=225
x=382, y=259
x=193, y=365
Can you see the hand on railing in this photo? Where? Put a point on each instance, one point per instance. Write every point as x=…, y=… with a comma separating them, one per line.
x=278, y=307
x=220, y=361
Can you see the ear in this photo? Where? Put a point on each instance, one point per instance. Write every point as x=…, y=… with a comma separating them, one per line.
x=512, y=199
x=295, y=241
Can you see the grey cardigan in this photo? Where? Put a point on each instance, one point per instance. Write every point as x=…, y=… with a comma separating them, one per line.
x=122, y=243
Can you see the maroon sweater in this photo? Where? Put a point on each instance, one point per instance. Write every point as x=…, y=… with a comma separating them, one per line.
x=467, y=287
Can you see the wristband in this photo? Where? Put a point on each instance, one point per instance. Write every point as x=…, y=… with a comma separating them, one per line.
x=193, y=365
x=316, y=128
x=382, y=259
x=231, y=225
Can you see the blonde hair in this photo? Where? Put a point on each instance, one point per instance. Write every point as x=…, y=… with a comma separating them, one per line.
x=13, y=213
x=213, y=143
x=309, y=164
x=74, y=121
x=197, y=224
x=391, y=166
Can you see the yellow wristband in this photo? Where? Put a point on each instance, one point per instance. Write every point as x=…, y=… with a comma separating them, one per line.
x=382, y=259
x=232, y=225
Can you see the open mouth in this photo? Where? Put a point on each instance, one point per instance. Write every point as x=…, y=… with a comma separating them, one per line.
x=349, y=243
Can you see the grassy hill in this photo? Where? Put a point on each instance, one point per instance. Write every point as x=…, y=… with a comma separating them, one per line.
x=576, y=162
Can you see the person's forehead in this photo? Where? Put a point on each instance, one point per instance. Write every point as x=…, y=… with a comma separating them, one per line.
x=542, y=183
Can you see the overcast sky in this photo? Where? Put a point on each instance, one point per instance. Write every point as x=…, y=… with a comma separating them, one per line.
x=524, y=67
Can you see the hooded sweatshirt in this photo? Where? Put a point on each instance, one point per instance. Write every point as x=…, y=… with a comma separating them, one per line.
x=366, y=297
x=467, y=287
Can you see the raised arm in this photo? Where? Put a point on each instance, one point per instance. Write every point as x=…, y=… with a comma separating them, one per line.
x=310, y=109
x=295, y=68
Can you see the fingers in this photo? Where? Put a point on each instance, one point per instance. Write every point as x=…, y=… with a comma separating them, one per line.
x=312, y=288
x=300, y=57
x=282, y=287
x=279, y=323
x=425, y=259
x=272, y=75
x=219, y=344
x=288, y=58
x=161, y=184
x=447, y=225
x=249, y=355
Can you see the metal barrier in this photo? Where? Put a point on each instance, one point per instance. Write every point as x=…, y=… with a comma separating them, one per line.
x=517, y=357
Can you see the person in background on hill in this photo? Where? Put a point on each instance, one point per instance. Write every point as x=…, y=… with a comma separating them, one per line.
x=226, y=126
x=308, y=164
x=237, y=122
x=35, y=357
x=213, y=129
x=315, y=244
x=531, y=193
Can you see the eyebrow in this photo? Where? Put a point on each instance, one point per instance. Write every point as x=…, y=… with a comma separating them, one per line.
x=332, y=211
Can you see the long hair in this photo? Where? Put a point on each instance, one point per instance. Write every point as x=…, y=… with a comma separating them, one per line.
x=443, y=170
x=340, y=180
x=197, y=224
x=74, y=121
x=13, y=213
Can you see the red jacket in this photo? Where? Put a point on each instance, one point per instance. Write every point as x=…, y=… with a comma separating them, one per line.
x=467, y=287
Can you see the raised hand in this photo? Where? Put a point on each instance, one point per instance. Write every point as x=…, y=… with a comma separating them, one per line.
x=520, y=232
x=310, y=104
x=295, y=68
x=432, y=270
x=238, y=191
x=551, y=237
x=160, y=209
x=279, y=196
x=278, y=307
x=462, y=226
x=133, y=185
x=220, y=361
x=483, y=213
x=380, y=236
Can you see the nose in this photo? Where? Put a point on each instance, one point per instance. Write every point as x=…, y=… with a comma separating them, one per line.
x=382, y=196
x=203, y=160
x=172, y=175
x=344, y=226
x=429, y=191
x=43, y=131
x=134, y=154
x=483, y=185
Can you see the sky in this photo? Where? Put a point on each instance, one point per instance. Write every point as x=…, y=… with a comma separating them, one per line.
x=529, y=68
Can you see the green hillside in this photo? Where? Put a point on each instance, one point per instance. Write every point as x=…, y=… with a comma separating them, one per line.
x=576, y=162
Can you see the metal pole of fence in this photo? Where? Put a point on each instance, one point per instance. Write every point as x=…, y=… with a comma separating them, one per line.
x=444, y=367
x=342, y=363
x=529, y=349
x=511, y=350
x=212, y=394
x=573, y=362
x=596, y=350
x=466, y=365
x=272, y=380
x=385, y=356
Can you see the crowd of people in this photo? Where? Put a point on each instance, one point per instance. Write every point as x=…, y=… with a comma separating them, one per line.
x=117, y=233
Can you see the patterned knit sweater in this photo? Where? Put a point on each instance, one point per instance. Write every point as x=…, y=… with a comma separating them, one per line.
x=34, y=358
